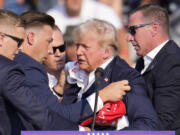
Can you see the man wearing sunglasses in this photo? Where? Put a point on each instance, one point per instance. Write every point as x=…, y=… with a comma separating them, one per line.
x=159, y=62
x=19, y=108
x=55, y=61
x=38, y=36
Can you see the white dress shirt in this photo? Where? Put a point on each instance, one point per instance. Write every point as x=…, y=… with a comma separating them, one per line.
x=52, y=82
x=151, y=55
x=84, y=81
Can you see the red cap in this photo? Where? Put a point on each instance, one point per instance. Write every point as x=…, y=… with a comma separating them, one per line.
x=109, y=113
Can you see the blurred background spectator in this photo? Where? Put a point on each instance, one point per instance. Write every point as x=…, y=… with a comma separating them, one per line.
x=117, y=5
x=45, y=5
x=69, y=38
x=18, y=6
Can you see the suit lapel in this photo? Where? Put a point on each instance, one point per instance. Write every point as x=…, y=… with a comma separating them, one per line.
x=158, y=57
x=148, y=74
x=107, y=78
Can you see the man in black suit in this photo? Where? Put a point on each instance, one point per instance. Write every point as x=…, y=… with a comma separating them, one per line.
x=19, y=108
x=149, y=34
x=96, y=49
x=16, y=100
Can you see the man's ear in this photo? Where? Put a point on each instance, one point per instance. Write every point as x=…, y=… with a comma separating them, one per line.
x=107, y=53
x=1, y=39
x=30, y=38
x=155, y=28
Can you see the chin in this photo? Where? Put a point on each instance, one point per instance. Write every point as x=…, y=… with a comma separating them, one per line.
x=82, y=67
x=11, y=57
x=59, y=68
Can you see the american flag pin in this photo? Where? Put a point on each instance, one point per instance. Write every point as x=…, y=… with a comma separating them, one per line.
x=106, y=79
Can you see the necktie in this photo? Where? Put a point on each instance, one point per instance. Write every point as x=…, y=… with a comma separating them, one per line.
x=140, y=64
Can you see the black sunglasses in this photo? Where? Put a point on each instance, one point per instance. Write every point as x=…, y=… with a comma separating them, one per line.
x=61, y=48
x=132, y=29
x=18, y=40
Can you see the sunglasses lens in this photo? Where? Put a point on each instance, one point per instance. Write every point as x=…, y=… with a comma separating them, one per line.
x=20, y=42
x=61, y=48
x=132, y=30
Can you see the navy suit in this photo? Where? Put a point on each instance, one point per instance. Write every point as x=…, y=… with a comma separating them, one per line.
x=163, y=84
x=140, y=112
x=37, y=80
x=18, y=105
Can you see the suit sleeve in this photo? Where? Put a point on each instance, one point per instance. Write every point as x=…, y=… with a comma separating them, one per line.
x=38, y=83
x=141, y=114
x=30, y=107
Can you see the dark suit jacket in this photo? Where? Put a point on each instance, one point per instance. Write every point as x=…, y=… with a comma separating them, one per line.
x=17, y=102
x=163, y=84
x=37, y=81
x=140, y=112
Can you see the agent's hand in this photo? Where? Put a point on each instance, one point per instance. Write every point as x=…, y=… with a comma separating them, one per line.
x=87, y=129
x=114, y=91
x=59, y=87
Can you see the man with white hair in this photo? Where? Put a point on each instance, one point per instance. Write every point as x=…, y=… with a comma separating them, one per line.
x=96, y=49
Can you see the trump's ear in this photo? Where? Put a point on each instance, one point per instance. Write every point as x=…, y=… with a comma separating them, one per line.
x=107, y=53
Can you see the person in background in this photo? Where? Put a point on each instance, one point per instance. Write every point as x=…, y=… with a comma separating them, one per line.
x=18, y=6
x=117, y=5
x=159, y=62
x=74, y=12
x=55, y=61
x=69, y=38
x=42, y=7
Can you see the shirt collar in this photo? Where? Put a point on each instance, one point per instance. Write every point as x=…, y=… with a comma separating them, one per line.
x=52, y=80
x=91, y=76
x=103, y=66
x=155, y=51
x=151, y=55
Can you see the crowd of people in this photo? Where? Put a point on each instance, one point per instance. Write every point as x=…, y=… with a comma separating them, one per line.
x=48, y=80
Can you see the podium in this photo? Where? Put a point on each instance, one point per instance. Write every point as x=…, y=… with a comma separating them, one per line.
x=98, y=133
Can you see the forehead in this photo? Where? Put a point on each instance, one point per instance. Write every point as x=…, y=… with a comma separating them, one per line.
x=90, y=37
x=45, y=31
x=57, y=37
x=136, y=18
x=47, y=28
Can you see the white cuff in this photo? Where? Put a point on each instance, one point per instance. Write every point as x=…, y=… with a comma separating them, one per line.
x=81, y=128
x=91, y=101
x=122, y=122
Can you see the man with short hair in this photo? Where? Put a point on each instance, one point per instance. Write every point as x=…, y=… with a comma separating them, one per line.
x=38, y=36
x=96, y=49
x=17, y=102
x=149, y=34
